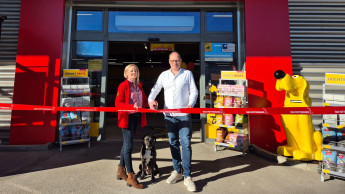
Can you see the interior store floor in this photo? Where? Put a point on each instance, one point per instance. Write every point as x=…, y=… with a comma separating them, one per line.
x=156, y=124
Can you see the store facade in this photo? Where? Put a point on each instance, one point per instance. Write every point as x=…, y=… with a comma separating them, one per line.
x=105, y=36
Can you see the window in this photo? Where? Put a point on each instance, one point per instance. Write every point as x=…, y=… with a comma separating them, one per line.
x=219, y=22
x=154, y=22
x=89, y=20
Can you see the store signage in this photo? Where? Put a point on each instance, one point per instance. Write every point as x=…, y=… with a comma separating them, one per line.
x=95, y=65
x=162, y=47
x=219, y=52
x=233, y=75
x=228, y=48
x=334, y=79
x=75, y=73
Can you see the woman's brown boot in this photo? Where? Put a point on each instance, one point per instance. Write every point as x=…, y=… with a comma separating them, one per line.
x=121, y=173
x=132, y=181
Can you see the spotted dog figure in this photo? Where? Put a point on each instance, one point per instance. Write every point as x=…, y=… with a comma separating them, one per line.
x=303, y=142
x=148, y=156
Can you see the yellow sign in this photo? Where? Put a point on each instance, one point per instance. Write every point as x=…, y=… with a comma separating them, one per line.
x=208, y=47
x=334, y=79
x=95, y=64
x=75, y=72
x=162, y=47
x=233, y=75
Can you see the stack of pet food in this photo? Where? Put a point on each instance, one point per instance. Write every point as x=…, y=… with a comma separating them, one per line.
x=333, y=161
x=333, y=136
x=74, y=132
x=236, y=140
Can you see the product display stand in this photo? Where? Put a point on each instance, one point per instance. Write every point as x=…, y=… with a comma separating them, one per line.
x=333, y=133
x=232, y=93
x=74, y=126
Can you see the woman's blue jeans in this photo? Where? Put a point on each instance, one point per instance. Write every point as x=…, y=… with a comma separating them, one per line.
x=180, y=133
x=134, y=123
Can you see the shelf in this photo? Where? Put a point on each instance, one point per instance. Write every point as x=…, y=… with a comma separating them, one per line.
x=76, y=123
x=242, y=106
x=68, y=142
x=333, y=173
x=331, y=104
x=332, y=126
x=335, y=148
x=229, y=145
x=244, y=126
x=235, y=95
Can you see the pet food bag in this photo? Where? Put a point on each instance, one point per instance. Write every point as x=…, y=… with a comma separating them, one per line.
x=238, y=90
x=219, y=119
x=228, y=101
x=240, y=119
x=237, y=102
x=342, y=119
x=227, y=138
x=239, y=140
x=340, y=136
x=64, y=131
x=86, y=101
x=68, y=102
x=329, y=159
x=223, y=88
x=75, y=131
x=84, y=131
x=221, y=133
x=65, y=117
x=219, y=101
x=330, y=119
x=85, y=116
x=75, y=116
x=228, y=119
x=329, y=135
x=78, y=101
x=340, y=163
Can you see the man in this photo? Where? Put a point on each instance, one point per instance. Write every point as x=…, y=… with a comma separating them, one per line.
x=179, y=92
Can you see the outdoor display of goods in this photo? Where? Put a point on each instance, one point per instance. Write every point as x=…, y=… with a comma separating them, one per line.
x=333, y=128
x=232, y=129
x=74, y=126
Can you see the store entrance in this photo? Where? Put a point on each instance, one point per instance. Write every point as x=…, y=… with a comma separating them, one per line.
x=151, y=62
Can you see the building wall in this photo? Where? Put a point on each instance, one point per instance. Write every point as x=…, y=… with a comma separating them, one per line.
x=39, y=55
x=8, y=52
x=37, y=70
x=267, y=50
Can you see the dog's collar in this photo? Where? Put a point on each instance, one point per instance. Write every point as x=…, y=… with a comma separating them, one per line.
x=296, y=101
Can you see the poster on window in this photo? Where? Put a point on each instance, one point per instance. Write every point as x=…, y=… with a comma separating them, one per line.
x=219, y=52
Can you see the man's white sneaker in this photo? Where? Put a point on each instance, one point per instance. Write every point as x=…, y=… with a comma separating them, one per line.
x=175, y=176
x=190, y=184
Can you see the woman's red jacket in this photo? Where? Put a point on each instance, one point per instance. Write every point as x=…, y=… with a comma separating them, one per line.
x=122, y=101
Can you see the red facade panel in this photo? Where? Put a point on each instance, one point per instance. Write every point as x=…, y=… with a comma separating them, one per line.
x=37, y=70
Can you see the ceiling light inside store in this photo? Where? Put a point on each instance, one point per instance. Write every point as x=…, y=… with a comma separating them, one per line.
x=130, y=62
x=84, y=14
x=152, y=62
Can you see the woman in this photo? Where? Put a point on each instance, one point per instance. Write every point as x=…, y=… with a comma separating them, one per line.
x=130, y=94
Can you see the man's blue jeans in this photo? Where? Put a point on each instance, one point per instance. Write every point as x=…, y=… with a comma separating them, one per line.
x=180, y=132
x=134, y=123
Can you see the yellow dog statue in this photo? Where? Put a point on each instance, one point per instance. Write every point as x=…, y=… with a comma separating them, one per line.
x=303, y=142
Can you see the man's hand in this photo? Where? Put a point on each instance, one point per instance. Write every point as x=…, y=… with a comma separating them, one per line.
x=153, y=105
x=189, y=106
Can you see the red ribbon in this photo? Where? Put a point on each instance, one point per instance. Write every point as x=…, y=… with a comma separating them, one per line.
x=247, y=111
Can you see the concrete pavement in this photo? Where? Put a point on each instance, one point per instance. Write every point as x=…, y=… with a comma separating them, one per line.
x=78, y=169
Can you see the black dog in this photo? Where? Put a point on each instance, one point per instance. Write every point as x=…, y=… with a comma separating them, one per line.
x=148, y=156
